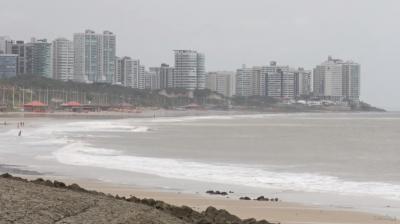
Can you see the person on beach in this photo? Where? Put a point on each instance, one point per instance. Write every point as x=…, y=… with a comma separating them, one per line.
x=20, y=133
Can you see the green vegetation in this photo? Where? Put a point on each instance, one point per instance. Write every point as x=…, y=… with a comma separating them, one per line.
x=16, y=91
x=30, y=88
x=254, y=101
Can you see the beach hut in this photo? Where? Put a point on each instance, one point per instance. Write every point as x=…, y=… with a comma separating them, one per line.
x=35, y=106
x=72, y=106
x=192, y=106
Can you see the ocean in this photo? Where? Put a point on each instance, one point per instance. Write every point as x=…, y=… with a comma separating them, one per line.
x=335, y=160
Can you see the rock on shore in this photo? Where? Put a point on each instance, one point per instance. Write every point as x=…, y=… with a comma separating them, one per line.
x=41, y=202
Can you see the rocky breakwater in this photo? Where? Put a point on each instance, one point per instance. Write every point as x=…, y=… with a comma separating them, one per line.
x=43, y=201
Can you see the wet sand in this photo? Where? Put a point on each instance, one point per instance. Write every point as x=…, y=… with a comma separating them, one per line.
x=279, y=212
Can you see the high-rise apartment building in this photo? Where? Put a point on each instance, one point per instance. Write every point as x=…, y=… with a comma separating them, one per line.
x=63, y=59
x=259, y=83
x=109, y=51
x=281, y=85
x=166, y=75
x=244, y=81
x=8, y=65
x=25, y=56
x=337, y=80
x=94, y=56
x=189, y=70
x=152, y=80
x=222, y=82
x=302, y=82
x=131, y=73
x=273, y=80
x=41, y=58
x=4, y=47
x=201, y=71
x=118, y=72
x=351, y=81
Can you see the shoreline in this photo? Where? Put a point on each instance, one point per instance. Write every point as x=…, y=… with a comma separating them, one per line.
x=150, y=113
x=277, y=212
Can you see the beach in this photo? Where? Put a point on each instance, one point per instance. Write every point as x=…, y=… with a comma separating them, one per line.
x=276, y=212
x=94, y=153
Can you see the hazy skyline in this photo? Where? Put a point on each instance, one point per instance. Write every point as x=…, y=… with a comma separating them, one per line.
x=231, y=33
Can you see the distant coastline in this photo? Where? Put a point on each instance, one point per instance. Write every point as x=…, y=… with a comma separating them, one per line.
x=38, y=94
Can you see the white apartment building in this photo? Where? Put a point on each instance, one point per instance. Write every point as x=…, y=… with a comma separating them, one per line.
x=351, y=81
x=118, y=71
x=189, y=70
x=281, y=85
x=337, y=80
x=165, y=74
x=302, y=82
x=222, y=82
x=152, y=80
x=274, y=81
x=244, y=81
x=130, y=73
x=63, y=59
x=94, y=56
x=4, y=46
x=259, y=81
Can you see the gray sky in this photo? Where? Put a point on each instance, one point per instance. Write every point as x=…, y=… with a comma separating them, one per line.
x=232, y=32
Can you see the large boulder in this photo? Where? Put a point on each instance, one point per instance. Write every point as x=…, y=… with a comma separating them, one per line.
x=221, y=216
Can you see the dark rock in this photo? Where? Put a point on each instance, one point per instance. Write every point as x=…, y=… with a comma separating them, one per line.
x=204, y=220
x=59, y=184
x=249, y=221
x=6, y=175
x=262, y=198
x=221, y=216
x=263, y=222
x=245, y=198
x=162, y=205
x=183, y=212
x=38, y=181
x=76, y=187
x=223, y=193
x=133, y=199
x=149, y=202
x=48, y=183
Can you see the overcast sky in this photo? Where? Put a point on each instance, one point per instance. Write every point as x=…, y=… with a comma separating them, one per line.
x=232, y=32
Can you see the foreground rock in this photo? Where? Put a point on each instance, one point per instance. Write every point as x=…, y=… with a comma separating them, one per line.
x=42, y=201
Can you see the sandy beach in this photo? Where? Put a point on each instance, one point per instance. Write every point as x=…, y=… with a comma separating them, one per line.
x=277, y=212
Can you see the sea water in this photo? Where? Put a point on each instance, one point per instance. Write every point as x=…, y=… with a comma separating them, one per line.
x=332, y=159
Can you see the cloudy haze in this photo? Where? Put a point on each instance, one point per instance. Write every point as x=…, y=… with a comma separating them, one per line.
x=232, y=32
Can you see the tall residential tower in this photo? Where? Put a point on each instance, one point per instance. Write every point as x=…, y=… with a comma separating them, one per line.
x=189, y=70
x=94, y=56
x=337, y=80
x=63, y=59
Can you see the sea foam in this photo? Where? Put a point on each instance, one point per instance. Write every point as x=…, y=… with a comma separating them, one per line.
x=82, y=154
